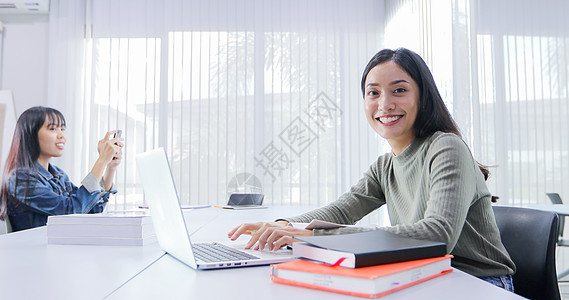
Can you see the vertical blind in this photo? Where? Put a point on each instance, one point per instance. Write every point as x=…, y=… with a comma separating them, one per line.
x=507, y=86
x=251, y=96
x=523, y=79
x=522, y=49
x=245, y=96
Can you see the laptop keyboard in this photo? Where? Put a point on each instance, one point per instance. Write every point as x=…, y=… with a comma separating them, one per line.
x=213, y=252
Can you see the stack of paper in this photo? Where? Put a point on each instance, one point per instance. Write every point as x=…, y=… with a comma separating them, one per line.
x=100, y=229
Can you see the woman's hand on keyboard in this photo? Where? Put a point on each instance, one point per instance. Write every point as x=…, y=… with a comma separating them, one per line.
x=273, y=235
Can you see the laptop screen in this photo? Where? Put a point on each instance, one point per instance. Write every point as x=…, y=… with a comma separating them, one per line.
x=160, y=192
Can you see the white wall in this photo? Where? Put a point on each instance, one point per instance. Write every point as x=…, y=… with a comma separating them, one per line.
x=24, y=59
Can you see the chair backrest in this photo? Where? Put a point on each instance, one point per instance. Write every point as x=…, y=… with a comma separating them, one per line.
x=556, y=199
x=530, y=237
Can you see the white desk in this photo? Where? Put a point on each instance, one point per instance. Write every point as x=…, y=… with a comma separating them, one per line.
x=170, y=279
x=31, y=269
x=561, y=209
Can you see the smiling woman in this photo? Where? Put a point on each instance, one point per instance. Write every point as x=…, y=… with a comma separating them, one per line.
x=431, y=184
x=34, y=189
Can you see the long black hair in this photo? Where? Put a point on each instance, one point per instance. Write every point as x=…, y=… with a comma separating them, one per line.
x=432, y=115
x=25, y=149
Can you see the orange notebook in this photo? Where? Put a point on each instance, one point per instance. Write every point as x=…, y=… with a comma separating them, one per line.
x=370, y=282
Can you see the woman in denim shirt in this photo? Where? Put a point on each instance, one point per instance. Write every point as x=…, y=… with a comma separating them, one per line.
x=34, y=189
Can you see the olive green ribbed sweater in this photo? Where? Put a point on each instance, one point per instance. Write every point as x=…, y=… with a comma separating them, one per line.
x=434, y=190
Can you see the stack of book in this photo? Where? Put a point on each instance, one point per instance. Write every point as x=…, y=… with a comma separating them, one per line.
x=101, y=229
x=366, y=264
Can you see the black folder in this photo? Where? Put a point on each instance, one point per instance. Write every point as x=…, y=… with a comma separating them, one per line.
x=376, y=247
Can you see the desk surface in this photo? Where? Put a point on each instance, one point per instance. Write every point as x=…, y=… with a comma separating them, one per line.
x=170, y=279
x=32, y=269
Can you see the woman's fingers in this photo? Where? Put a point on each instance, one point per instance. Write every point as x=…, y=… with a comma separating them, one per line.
x=118, y=141
x=278, y=237
x=246, y=228
x=106, y=138
x=116, y=160
x=232, y=231
x=118, y=150
x=110, y=148
x=263, y=237
x=108, y=134
x=259, y=233
x=283, y=241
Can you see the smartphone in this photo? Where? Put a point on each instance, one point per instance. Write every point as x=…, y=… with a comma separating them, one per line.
x=117, y=134
x=245, y=200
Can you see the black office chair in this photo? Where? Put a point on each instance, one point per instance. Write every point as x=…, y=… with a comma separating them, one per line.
x=556, y=199
x=530, y=237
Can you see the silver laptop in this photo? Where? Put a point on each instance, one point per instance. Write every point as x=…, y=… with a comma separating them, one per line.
x=173, y=237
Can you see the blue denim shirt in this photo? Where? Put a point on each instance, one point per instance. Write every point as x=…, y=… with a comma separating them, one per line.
x=50, y=193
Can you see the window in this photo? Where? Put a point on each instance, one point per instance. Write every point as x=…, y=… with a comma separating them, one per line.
x=245, y=96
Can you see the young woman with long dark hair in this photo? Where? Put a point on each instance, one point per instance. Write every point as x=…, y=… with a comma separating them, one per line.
x=433, y=187
x=33, y=188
